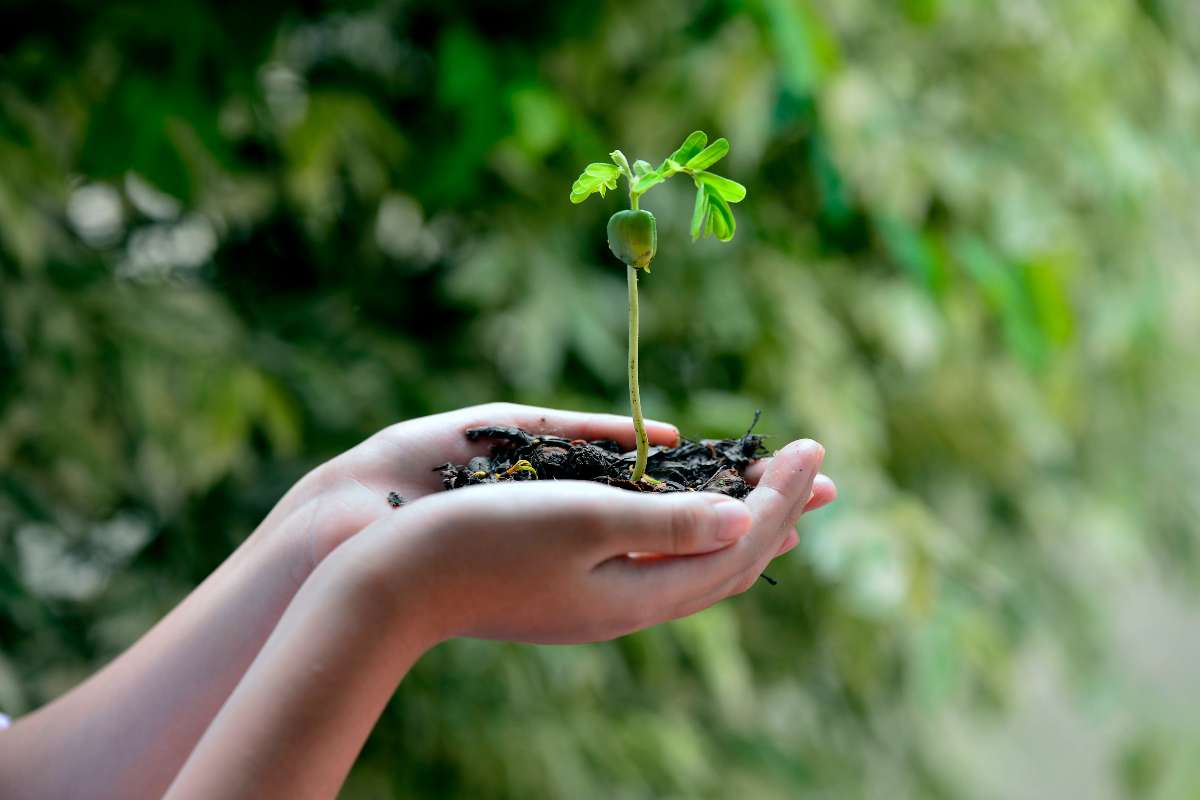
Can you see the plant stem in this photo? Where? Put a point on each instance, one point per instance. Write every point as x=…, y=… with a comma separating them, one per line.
x=635, y=399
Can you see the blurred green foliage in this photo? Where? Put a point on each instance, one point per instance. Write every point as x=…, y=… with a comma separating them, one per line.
x=236, y=239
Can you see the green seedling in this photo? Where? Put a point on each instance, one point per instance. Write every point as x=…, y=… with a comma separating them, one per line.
x=633, y=233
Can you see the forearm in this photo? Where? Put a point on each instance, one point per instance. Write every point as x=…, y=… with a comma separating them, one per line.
x=298, y=719
x=130, y=727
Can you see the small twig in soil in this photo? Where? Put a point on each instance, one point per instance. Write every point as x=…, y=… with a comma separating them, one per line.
x=750, y=430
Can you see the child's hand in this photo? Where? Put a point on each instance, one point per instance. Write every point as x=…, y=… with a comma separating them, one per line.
x=348, y=493
x=547, y=561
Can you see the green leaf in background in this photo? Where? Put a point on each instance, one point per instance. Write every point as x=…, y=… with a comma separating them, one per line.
x=1001, y=286
x=916, y=252
x=596, y=177
x=641, y=167
x=805, y=45
x=709, y=155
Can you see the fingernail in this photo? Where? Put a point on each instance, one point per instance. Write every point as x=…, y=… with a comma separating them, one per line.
x=810, y=447
x=806, y=446
x=733, y=519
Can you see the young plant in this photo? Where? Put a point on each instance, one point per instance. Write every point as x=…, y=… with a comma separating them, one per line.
x=633, y=235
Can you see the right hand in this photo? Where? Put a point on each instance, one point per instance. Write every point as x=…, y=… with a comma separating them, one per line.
x=547, y=561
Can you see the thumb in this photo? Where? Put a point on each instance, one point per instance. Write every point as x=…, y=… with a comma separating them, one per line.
x=676, y=524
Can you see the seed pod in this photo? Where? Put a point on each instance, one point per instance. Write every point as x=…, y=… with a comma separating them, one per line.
x=633, y=237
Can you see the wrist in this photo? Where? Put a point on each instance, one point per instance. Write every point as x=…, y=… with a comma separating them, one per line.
x=307, y=524
x=275, y=549
x=377, y=577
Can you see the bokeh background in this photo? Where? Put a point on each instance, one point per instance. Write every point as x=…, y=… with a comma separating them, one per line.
x=236, y=239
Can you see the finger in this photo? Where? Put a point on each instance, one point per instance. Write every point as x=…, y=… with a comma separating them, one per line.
x=602, y=522
x=433, y=439
x=792, y=487
x=672, y=584
x=791, y=541
x=824, y=492
x=677, y=524
x=755, y=471
x=786, y=485
x=570, y=424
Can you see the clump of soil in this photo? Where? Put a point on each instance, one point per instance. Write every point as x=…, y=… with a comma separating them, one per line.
x=709, y=465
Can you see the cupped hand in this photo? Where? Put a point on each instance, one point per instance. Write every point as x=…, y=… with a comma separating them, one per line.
x=350, y=492
x=548, y=561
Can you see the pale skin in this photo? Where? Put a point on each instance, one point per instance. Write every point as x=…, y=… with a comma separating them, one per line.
x=268, y=678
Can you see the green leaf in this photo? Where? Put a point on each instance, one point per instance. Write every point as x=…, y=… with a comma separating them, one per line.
x=720, y=215
x=709, y=155
x=699, y=213
x=596, y=177
x=692, y=145
x=646, y=181
x=599, y=169
x=641, y=167
x=712, y=215
x=732, y=191
x=619, y=159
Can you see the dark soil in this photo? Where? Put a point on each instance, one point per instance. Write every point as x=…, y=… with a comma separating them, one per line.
x=709, y=465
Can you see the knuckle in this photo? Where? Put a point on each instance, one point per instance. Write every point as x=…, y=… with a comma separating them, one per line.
x=495, y=409
x=323, y=476
x=601, y=526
